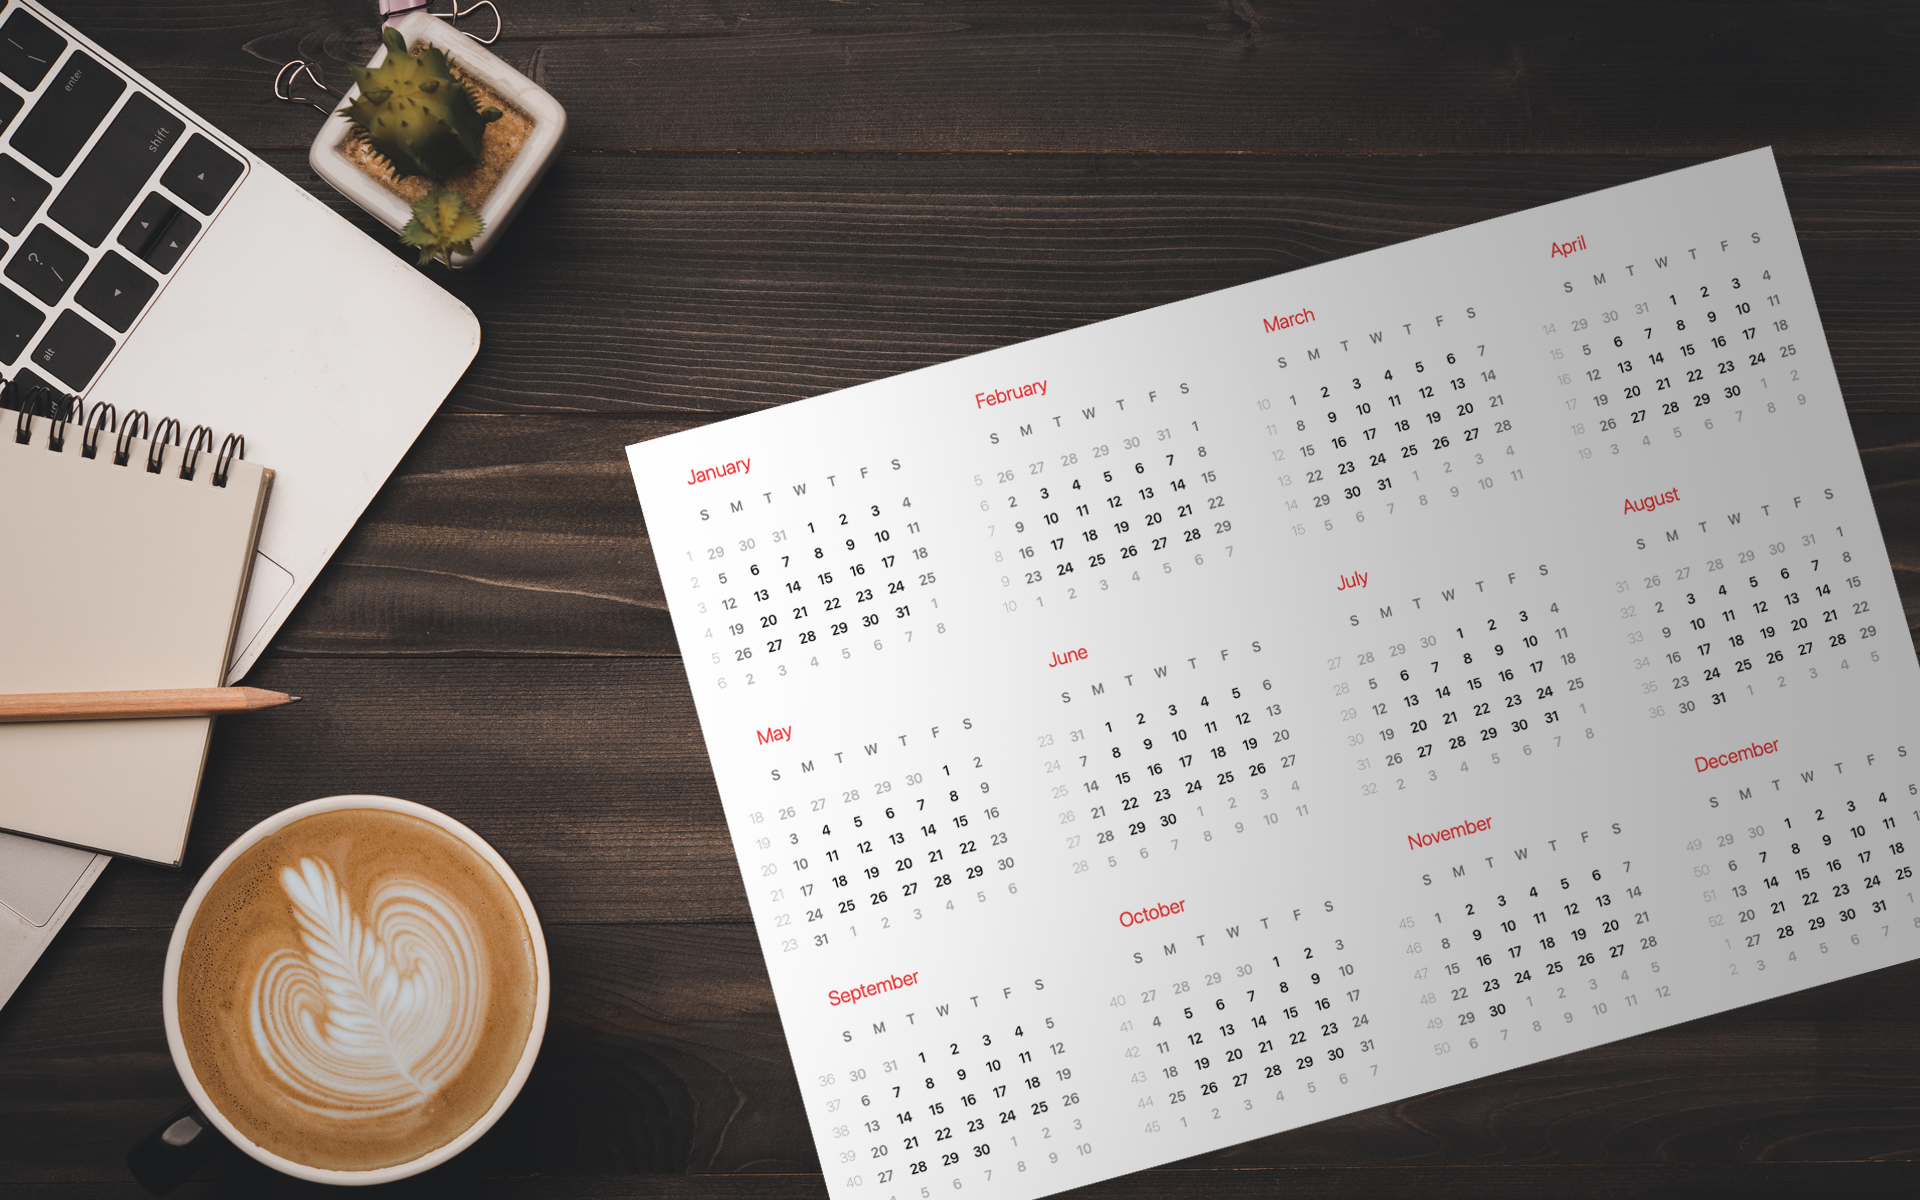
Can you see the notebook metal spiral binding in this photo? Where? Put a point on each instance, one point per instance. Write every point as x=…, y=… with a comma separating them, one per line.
x=57, y=434
x=123, y=445
x=200, y=439
x=232, y=448
x=100, y=418
x=30, y=405
x=168, y=429
x=64, y=410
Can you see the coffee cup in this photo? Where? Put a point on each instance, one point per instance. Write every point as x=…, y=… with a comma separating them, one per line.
x=354, y=993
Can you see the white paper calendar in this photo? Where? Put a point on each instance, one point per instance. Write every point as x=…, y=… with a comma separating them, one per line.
x=1299, y=697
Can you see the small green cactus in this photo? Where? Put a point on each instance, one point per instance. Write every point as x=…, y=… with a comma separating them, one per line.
x=443, y=225
x=415, y=114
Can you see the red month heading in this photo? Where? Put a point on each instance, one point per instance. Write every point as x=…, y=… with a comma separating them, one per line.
x=1416, y=841
x=702, y=474
x=879, y=987
x=1649, y=503
x=1753, y=750
x=1018, y=391
x=1152, y=912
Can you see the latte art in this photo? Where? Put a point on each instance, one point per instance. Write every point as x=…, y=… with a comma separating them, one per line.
x=357, y=989
x=371, y=1016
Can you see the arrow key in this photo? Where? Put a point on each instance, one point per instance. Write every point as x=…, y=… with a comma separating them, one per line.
x=202, y=173
x=159, y=233
x=115, y=291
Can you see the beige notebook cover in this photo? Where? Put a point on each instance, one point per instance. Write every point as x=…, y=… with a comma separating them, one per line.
x=114, y=578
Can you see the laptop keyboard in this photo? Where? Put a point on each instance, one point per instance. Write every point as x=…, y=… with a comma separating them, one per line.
x=89, y=237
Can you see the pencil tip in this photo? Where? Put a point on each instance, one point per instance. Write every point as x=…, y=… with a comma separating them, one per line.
x=293, y=699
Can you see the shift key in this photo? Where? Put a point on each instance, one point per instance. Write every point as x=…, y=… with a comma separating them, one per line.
x=106, y=181
x=78, y=97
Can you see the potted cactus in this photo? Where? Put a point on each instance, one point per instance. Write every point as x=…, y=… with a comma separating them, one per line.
x=440, y=140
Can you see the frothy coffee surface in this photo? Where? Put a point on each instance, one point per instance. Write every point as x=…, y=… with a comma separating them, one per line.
x=356, y=989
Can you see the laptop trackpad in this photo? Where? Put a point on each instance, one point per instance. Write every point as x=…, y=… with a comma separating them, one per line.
x=36, y=876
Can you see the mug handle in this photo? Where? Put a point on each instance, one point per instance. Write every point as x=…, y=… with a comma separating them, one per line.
x=167, y=1157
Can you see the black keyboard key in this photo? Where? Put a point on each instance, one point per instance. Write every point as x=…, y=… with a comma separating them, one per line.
x=21, y=194
x=9, y=105
x=72, y=351
x=19, y=321
x=159, y=232
x=115, y=291
x=67, y=113
x=119, y=165
x=47, y=265
x=28, y=49
x=203, y=174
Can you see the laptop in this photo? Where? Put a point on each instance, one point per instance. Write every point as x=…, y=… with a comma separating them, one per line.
x=151, y=262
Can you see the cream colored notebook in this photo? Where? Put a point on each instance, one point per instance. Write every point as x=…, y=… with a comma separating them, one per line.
x=114, y=576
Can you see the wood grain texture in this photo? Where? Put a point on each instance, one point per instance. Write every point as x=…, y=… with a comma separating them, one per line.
x=684, y=284
x=1890, y=453
x=1233, y=76
x=664, y=1055
x=1603, y=1181
x=499, y=535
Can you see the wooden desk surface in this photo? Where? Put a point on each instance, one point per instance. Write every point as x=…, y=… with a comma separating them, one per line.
x=765, y=202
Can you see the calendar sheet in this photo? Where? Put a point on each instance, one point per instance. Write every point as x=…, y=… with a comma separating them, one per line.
x=1210, y=721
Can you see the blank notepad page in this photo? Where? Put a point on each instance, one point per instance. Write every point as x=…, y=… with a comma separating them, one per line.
x=114, y=578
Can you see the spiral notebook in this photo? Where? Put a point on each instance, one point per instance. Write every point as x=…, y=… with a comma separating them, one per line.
x=127, y=548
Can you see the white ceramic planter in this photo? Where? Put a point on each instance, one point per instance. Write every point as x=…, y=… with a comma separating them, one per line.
x=328, y=158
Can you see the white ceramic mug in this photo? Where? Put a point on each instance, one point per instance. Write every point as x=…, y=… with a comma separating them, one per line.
x=185, y=1128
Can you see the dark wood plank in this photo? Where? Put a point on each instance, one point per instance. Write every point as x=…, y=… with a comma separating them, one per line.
x=665, y=1056
x=725, y=283
x=1890, y=452
x=590, y=776
x=1250, y=76
x=500, y=535
x=1600, y=1181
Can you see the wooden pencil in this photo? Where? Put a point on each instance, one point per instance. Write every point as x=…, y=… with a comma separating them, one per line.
x=165, y=702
